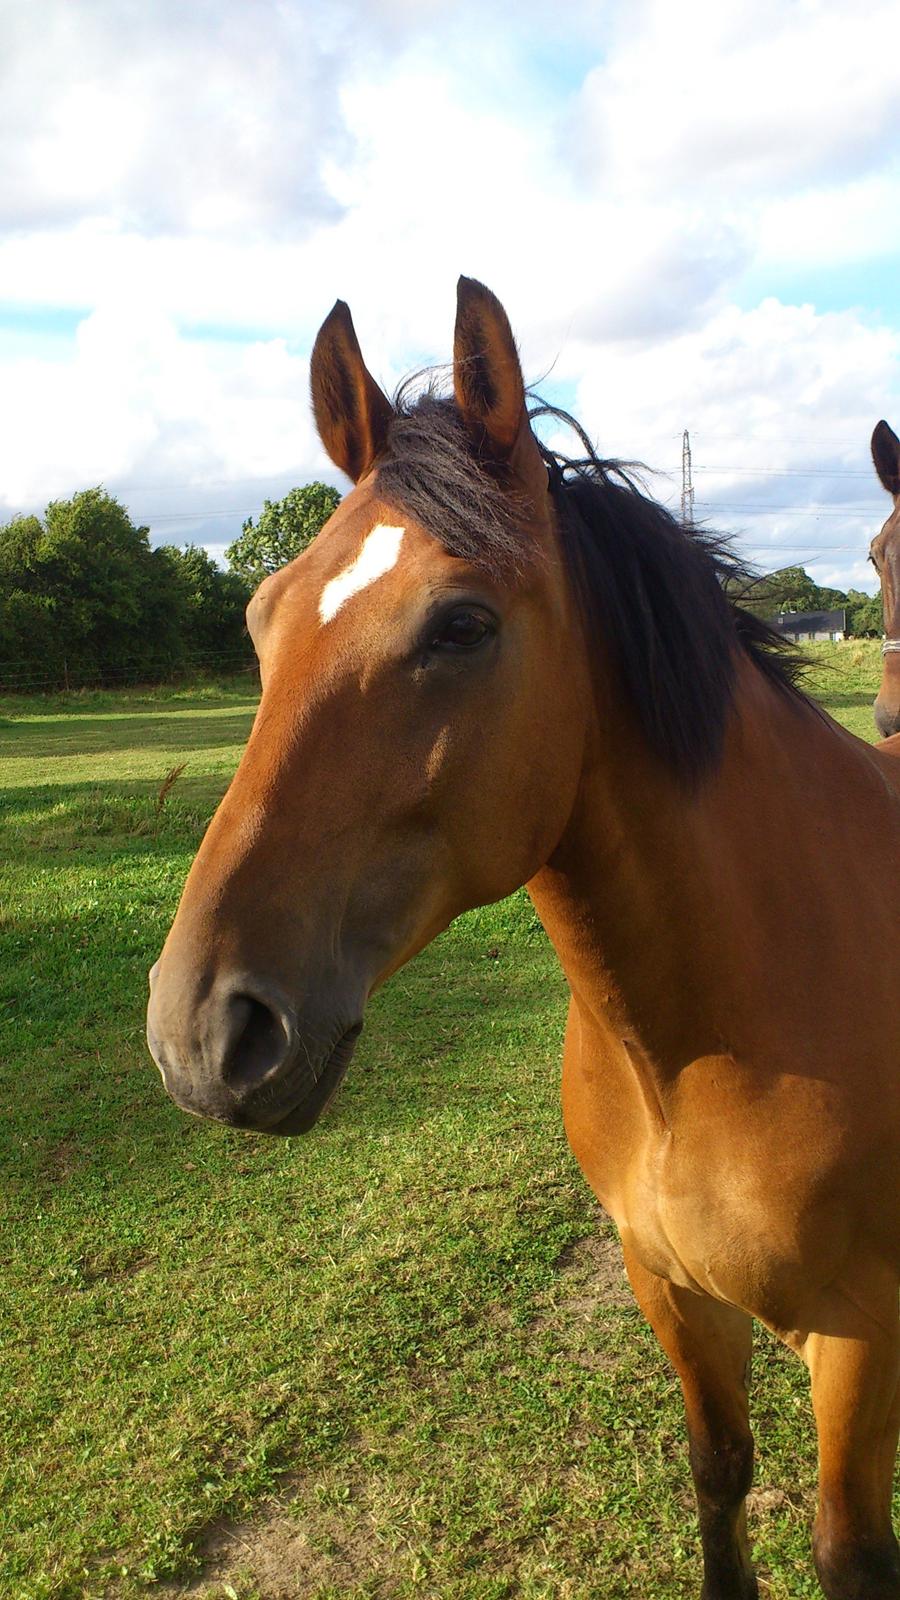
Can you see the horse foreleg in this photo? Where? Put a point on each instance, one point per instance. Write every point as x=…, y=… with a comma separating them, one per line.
x=855, y=1371
x=709, y=1345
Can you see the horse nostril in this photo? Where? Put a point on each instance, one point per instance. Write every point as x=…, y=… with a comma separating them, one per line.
x=258, y=1042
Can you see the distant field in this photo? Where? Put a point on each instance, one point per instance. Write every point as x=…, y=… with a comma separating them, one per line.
x=845, y=679
x=395, y=1359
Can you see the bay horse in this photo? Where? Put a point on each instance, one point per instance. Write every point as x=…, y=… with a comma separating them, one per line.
x=496, y=666
x=884, y=552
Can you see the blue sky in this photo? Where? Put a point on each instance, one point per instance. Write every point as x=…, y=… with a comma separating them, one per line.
x=691, y=213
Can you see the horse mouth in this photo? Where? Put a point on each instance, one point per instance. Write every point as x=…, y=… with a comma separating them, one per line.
x=317, y=1096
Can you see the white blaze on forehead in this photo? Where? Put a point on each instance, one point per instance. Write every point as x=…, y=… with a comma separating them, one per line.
x=379, y=553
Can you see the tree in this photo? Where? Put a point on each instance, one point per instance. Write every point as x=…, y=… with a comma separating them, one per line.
x=214, y=603
x=792, y=589
x=31, y=651
x=284, y=529
x=20, y=542
x=102, y=605
x=789, y=589
x=865, y=615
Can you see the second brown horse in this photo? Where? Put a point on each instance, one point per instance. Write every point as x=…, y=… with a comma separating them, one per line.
x=885, y=554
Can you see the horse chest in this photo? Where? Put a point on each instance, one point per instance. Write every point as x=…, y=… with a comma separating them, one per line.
x=741, y=1206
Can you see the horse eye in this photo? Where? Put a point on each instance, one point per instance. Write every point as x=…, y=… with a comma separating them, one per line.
x=462, y=630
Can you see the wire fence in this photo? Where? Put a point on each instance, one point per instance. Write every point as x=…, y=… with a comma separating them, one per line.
x=127, y=674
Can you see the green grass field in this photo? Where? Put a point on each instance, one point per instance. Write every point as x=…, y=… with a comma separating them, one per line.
x=397, y=1358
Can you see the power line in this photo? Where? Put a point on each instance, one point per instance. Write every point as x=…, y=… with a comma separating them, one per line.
x=774, y=549
x=792, y=472
x=813, y=510
x=762, y=508
x=779, y=440
x=184, y=516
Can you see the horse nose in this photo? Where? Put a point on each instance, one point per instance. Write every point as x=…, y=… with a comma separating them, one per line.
x=217, y=1053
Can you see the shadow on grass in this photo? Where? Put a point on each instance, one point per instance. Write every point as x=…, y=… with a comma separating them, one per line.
x=195, y=696
x=168, y=728
x=101, y=820
x=846, y=700
x=84, y=1101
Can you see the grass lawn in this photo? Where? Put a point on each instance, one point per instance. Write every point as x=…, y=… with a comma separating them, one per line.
x=395, y=1359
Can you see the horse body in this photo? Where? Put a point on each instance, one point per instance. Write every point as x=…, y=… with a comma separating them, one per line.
x=714, y=860
x=885, y=555
x=744, y=1145
x=731, y=1093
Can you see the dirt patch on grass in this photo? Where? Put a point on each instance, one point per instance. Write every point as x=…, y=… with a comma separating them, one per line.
x=356, y=1533
x=594, y=1269
x=766, y=1503
x=113, y=1266
x=316, y=1538
x=62, y=1159
x=591, y=1283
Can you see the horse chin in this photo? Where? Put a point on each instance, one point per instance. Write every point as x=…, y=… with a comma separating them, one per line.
x=318, y=1096
x=293, y=1105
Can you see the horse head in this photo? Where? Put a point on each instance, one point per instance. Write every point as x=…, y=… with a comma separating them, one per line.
x=418, y=742
x=884, y=552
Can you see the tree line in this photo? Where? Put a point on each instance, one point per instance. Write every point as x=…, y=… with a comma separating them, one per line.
x=792, y=589
x=85, y=598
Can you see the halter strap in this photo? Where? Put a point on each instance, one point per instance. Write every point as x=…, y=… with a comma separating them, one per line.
x=888, y=646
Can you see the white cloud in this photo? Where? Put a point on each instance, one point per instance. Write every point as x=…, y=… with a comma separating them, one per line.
x=211, y=117
x=780, y=403
x=199, y=183
x=139, y=403
x=780, y=378
x=832, y=224
x=749, y=96
x=218, y=117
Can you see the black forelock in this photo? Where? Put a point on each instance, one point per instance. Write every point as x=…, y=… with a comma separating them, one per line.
x=434, y=470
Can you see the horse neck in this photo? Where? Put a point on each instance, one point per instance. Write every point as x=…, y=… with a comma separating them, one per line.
x=668, y=907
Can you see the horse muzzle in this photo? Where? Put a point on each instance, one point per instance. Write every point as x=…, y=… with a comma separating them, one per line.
x=241, y=1055
x=887, y=719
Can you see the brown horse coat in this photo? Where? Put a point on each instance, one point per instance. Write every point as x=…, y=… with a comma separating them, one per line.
x=714, y=859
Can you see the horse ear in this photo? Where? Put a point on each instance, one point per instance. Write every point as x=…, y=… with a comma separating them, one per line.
x=487, y=377
x=352, y=414
x=886, y=456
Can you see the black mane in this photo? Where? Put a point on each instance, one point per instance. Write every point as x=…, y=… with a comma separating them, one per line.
x=655, y=591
